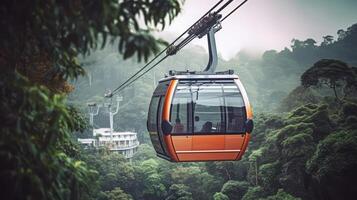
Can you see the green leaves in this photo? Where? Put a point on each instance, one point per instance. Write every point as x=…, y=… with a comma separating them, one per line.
x=332, y=73
x=33, y=165
x=235, y=189
x=334, y=155
x=281, y=195
x=117, y=194
x=65, y=29
x=179, y=191
x=142, y=43
x=42, y=40
x=161, y=10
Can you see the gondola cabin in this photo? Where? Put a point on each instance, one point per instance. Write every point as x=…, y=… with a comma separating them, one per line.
x=200, y=117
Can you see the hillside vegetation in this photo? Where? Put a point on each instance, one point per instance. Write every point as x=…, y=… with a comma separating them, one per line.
x=56, y=56
x=303, y=145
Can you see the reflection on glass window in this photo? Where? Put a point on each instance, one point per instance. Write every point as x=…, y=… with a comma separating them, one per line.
x=152, y=124
x=161, y=134
x=235, y=108
x=208, y=108
x=152, y=121
x=179, y=113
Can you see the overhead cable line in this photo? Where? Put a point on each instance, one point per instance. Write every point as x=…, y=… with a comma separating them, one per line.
x=236, y=8
x=224, y=6
x=162, y=59
x=198, y=29
x=146, y=65
x=152, y=67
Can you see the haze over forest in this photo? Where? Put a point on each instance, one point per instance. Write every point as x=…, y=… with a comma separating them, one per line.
x=269, y=25
x=58, y=56
x=291, y=122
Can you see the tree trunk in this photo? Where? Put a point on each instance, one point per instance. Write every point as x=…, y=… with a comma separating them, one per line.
x=229, y=176
x=334, y=90
x=256, y=172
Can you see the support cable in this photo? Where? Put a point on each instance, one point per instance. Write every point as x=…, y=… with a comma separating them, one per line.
x=179, y=47
x=198, y=29
x=224, y=6
x=132, y=81
x=236, y=8
x=146, y=65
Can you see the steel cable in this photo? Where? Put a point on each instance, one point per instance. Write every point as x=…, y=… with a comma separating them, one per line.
x=186, y=41
x=146, y=65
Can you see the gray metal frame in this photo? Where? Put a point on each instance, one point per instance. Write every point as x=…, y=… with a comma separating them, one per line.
x=201, y=77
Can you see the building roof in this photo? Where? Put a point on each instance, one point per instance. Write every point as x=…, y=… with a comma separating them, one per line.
x=106, y=132
x=86, y=140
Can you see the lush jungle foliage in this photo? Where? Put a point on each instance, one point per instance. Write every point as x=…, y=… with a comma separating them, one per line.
x=304, y=142
x=39, y=48
x=303, y=145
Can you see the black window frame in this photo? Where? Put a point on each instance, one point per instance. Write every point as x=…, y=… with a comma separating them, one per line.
x=159, y=121
x=160, y=93
x=150, y=126
x=153, y=127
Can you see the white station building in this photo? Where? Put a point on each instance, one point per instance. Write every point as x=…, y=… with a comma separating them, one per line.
x=125, y=143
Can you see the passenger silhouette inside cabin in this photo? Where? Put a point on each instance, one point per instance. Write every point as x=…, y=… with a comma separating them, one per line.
x=201, y=126
x=207, y=127
x=178, y=127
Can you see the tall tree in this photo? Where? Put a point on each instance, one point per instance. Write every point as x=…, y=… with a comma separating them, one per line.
x=332, y=73
x=328, y=39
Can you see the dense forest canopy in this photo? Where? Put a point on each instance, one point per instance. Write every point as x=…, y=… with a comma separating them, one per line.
x=283, y=159
x=39, y=48
x=56, y=56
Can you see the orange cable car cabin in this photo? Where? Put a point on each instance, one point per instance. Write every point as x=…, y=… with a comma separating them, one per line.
x=200, y=118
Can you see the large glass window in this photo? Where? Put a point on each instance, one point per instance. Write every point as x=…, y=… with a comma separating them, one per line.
x=235, y=108
x=208, y=108
x=161, y=88
x=152, y=124
x=180, y=107
x=152, y=116
x=161, y=134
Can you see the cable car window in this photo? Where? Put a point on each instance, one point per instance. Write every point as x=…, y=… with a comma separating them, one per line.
x=152, y=116
x=161, y=134
x=235, y=108
x=152, y=124
x=161, y=88
x=180, y=106
x=209, y=113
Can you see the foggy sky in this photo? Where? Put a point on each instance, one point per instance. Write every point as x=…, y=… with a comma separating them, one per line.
x=269, y=24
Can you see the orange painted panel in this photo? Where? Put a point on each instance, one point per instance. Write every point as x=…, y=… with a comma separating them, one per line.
x=234, y=141
x=182, y=143
x=208, y=142
x=206, y=156
x=245, y=145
